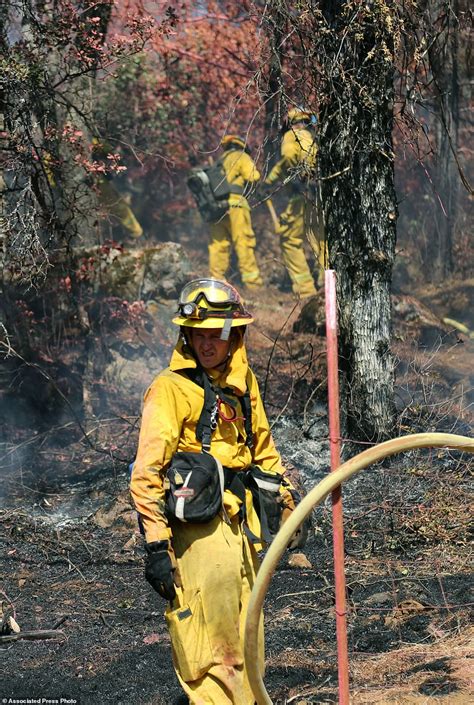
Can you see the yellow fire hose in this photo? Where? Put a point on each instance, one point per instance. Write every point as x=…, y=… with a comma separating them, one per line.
x=303, y=510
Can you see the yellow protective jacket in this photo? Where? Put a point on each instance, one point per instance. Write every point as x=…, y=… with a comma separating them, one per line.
x=298, y=155
x=240, y=170
x=172, y=408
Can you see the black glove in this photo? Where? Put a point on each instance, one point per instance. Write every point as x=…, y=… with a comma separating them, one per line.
x=299, y=538
x=159, y=569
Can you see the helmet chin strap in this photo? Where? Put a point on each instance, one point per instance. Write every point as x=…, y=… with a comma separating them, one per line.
x=187, y=347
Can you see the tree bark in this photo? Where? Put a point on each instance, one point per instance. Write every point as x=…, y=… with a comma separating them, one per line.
x=444, y=63
x=360, y=207
x=274, y=95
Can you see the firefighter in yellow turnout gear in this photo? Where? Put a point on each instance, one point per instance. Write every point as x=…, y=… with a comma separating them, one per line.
x=235, y=228
x=115, y=205
x=206, y=569
x=298, y=159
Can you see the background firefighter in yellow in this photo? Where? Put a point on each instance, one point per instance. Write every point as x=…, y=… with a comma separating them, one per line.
x=235, y=228
x=207, y=569
x=116, y=206
x=297, y=163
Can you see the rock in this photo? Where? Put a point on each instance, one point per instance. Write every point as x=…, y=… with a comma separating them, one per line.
x=426, y=327
x=150, y=273
x=379, y=598
x=152, y=638
x=166, y=269
x=312, y=317
x=132, y=377
x=299, y=560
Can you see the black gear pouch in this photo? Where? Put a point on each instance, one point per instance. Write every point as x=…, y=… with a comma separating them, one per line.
x=265, y=490
x=195, y=487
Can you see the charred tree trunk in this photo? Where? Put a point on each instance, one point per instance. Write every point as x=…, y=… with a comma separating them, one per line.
x=3, y=147
x=357, y=170
x=444, y=66
x=274, y=94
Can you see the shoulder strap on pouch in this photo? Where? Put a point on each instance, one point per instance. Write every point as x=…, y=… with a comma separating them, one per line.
x=208, y=419
x=247, y=411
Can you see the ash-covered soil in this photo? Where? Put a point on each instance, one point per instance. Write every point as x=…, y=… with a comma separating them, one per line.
x=71, y=559
x=408, y=583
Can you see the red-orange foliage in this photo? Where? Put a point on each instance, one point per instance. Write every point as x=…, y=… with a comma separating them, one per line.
x=192, y=84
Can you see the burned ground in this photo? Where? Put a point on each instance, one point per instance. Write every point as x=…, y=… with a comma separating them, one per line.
x=408, y=597
x=72, y=559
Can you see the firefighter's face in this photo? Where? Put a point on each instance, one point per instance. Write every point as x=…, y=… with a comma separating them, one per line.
x=210, y=350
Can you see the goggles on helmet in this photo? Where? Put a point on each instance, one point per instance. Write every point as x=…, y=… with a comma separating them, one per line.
x=211, y=303
x=214, y=294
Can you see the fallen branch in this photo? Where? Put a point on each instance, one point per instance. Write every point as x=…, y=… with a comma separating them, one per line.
x=40, y=634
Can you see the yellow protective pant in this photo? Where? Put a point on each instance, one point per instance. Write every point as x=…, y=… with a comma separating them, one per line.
x=206, y=621
x=293, y=221
x=235, y=229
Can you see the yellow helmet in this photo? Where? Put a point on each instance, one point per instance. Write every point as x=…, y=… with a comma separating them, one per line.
x=211, y=303
x=299, y=115
x=228, y=140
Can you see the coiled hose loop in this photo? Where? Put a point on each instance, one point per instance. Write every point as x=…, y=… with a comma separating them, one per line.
x=303, y=510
